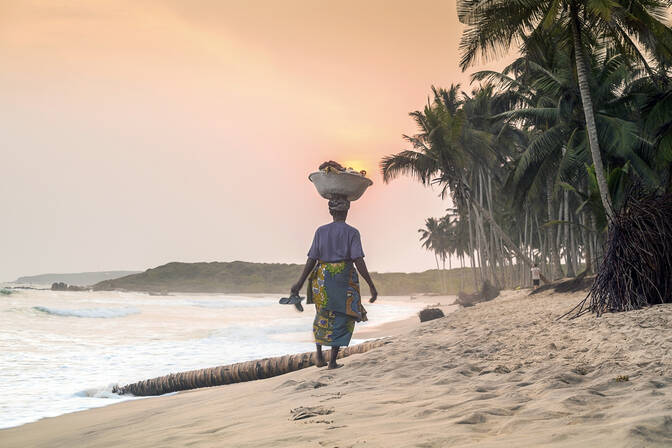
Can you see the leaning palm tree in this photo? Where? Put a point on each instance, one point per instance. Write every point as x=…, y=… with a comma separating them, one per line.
x=493, y=26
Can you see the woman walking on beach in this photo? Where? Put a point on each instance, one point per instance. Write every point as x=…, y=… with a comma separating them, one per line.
x=334, y=284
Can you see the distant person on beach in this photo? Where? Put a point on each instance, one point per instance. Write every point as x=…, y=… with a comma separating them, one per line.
x=536, y=276
x=333, y=282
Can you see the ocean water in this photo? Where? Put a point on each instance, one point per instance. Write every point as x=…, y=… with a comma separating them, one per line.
x=62, y=352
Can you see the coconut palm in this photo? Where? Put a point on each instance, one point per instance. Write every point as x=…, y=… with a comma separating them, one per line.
x=453, y=152
x=492, y=26
x=544, y=99
x=433, y=239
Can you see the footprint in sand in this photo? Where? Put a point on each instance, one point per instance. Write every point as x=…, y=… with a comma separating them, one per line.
x=473, y=419
x=310, y=385
x=303, y=412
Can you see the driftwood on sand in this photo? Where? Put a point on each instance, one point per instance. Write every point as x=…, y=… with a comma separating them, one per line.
x=234, y=373
x=637, y=263
x=487, y=293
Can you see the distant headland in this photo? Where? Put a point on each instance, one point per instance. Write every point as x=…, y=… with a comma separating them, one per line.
x=246, y=277
x=80, y=278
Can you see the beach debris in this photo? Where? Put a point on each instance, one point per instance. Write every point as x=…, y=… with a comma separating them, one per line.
x=635, y=272
x=303, y=412
x=235, y=373
x=430, y=314
x=622, y=379
x=487, y=293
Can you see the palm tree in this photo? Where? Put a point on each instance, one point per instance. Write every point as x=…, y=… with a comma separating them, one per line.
x=544, y=99
x=493, y=26
x=432, y=238
x=452, y=152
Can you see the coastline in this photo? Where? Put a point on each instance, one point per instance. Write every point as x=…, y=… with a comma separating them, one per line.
x=502, y=373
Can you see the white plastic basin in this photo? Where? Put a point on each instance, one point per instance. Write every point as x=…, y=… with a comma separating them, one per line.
x=350, y=185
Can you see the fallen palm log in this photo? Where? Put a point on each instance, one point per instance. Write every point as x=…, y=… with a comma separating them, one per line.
x=637, y=263
x=487, y=293
x=235, y=373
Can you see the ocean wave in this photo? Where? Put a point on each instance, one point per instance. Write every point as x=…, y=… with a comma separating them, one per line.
x=102, y=313
x=99, y=392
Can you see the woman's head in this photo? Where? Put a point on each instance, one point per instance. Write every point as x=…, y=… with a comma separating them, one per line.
x=338, y=208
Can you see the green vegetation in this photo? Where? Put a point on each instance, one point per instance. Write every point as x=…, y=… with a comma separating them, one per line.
x=538, y=157
x=81, y=278
x=244, y=277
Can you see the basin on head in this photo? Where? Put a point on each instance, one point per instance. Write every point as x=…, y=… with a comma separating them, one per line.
x=330, y=184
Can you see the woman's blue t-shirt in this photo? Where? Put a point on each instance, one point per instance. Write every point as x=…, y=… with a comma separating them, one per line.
x=336, y=241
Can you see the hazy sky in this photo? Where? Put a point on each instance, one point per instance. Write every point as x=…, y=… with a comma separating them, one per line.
x=138, y=132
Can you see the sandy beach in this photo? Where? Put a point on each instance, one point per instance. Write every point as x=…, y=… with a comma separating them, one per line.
x=500, y=374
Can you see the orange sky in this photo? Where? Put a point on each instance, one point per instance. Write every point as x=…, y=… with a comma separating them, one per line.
x=137, y=132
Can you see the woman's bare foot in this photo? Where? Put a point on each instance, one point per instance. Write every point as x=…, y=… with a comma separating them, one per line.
x=319, y=357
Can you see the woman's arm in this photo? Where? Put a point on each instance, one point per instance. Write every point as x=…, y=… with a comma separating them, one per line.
x=310, y=264
x=361, y=267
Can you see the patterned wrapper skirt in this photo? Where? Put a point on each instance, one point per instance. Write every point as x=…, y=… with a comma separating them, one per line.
x=334, y=288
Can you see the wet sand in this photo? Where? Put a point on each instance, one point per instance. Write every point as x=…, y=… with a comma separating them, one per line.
x=499, y=374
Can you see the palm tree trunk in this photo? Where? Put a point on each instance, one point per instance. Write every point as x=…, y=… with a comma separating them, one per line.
x=445, y=274
x=523, y=280
x=471, y=251
x=438, y=271
x=552, y=241
x=586, y=99
x=487, y=252
x=569, y=251
x=542, y=245
x=506, y=239
x=234, y=373
x=572, y=240
x=488, y=243
x=586, y=245
x=495, y=250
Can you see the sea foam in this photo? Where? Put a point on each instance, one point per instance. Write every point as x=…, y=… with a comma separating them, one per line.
x=102, y=313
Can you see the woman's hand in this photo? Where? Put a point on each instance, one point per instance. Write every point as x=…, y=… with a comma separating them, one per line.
x=310, y=264
x=374, y=295
x=295, y=289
